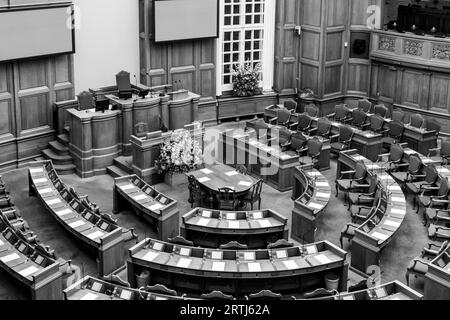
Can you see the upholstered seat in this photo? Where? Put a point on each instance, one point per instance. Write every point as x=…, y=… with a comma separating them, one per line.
x=341, y=114
x=348, y=232
x=343, y=140
x=312, y=110
x=365, y=105
x=381, y=110
x=415, y=164
x=430, y=198
x=345, y=183
x=438, y=232
x=395, y=134
x=416, y=187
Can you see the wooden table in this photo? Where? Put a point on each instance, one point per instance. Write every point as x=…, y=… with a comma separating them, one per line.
x=220, y=176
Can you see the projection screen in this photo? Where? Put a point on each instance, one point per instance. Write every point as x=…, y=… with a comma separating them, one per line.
x=35, y=32
x=185, y=19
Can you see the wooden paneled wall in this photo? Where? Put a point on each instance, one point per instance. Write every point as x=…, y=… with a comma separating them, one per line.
x=28, y=92
x=192, y=62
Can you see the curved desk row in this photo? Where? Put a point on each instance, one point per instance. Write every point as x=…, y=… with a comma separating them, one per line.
x=98, y=232
x=311, y=195
x=90, y=288
x=379, y=229
x=32, y=265
x=198, y=270
x=212, y=228
x=158, y=209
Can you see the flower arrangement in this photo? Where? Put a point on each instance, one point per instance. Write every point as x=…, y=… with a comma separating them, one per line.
x=246, y=79
x=180, y=153
x=307, y=93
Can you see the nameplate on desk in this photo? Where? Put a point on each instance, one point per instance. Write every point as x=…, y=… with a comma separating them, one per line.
x=392, y=223
x=46, y=190
x=10, y=258
x=311, y=249
x=281, y=254
x=204, y=179
x=184, y=263
x=265, y=223
x=127, y=187
x=254, y=267
x=41, y=180
x=156, y=207
x=218, y=266
x=140, y=197
x=150, y=256
x=54, y=201
x=36, y=170
x=258, y=215
x=232, y=173
x=206, y=171
x=231, y=216
x=290, y=264
x=63, y=212
x=206, y=214
x=76, y=224
x=95, y=235
x=89, y=296
x=249, y=256
x=245, y=183
x=203, y=222
x=28, y=271
x=217, y=255
x=380, y=236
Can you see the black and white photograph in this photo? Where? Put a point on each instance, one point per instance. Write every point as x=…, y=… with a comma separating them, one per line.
x=229, y=158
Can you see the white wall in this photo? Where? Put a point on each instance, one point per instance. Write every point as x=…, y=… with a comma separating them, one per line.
x=106, y=42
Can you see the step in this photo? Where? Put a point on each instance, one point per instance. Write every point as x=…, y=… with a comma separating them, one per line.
x=116, y=172
x=58, y=148
x=124, y=163
x=56, y=158
x=63, y=139
x=65, y=169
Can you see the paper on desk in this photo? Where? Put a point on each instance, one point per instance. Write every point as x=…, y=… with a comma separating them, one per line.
x=265, y=223
x=89, y=296
x=391, y=223
x=397, y=199
x=206, y=214
x=323, y=195
x=231, y=216
x=185, y=252
x=311, y=249
x=245, y=183
x=379, y=236
x=232, y=173
x=254, y=267
x=150, y=256
x=155, y=207
x=140, y=197
x=28, y=271
x=249, y=256
x=290, y=264
x=184, y=263
x=127, y=187
x=218, y=266
x=398, y=211
x=203, y=222
x=315, y=205
x=281, y=254
x=36, y=170
x=206, y=171
x=54, y=201
x=95, y=235
x=45, y=190
x=323, y=259
x=359, y=158
x=217, y=255
x=204, y=179
x=9, y=258
x=41, y=180
x=233, y=224
x=322, y=184
x=63, y=212
x=258, y=215
x=76, y=224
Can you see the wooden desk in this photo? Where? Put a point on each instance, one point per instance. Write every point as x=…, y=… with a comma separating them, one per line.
x=420, y=140
x=214, y=177
x=371, y=238
x=93, y=289
x=311, y=195
x=98, y=234
x=199, y=270
x=437, y=279
x=267, y=163
x=158, y=209
x=212, y=228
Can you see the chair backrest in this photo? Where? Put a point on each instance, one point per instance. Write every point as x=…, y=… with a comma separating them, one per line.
x=312, y=110
x=396, y=153
x=260, y=127
x=161, y=289
x=257, y=189
x=415, y=163
x=242, y=169
x=123, y=81
x=398, y=115
x=227, y=194
x=433, y=125
x=381, y=110
x=315, y=147
x=373, y=184
x=376, y=123
x=216, y=295
x=323, y=126
x=290, y=105
x=342, y=112
x=298, y=141
x=265, y=295
x=417, y=121
x=365, y=105
x=445, y=148
x=360, y=171
x=284, y=116
x=359, y=117
x=284, y=135
x=304, y=122
x=443, y=190
x=345, y=133
x=431, y=174
x=396, y=129
x=85, y=100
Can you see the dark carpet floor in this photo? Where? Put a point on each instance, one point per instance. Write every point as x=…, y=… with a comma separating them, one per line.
x=406, y=245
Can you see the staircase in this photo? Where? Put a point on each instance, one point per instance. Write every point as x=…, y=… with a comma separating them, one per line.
x=121, y=167
x=58, y=153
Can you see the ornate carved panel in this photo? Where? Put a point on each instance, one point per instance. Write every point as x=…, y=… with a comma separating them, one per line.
x=413, y=47
x=441, y=51
x=386, y=44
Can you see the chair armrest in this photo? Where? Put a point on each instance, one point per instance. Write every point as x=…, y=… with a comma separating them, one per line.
x=349, y=120
x=364, y=125
x=313, y=130
x=404, y=144
x=271, y=121
x=331, y=115
x=357, y=185
x=293, y=125
x=439, y=201
x=336, y=136
x=344, y=173
x=425, y=187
